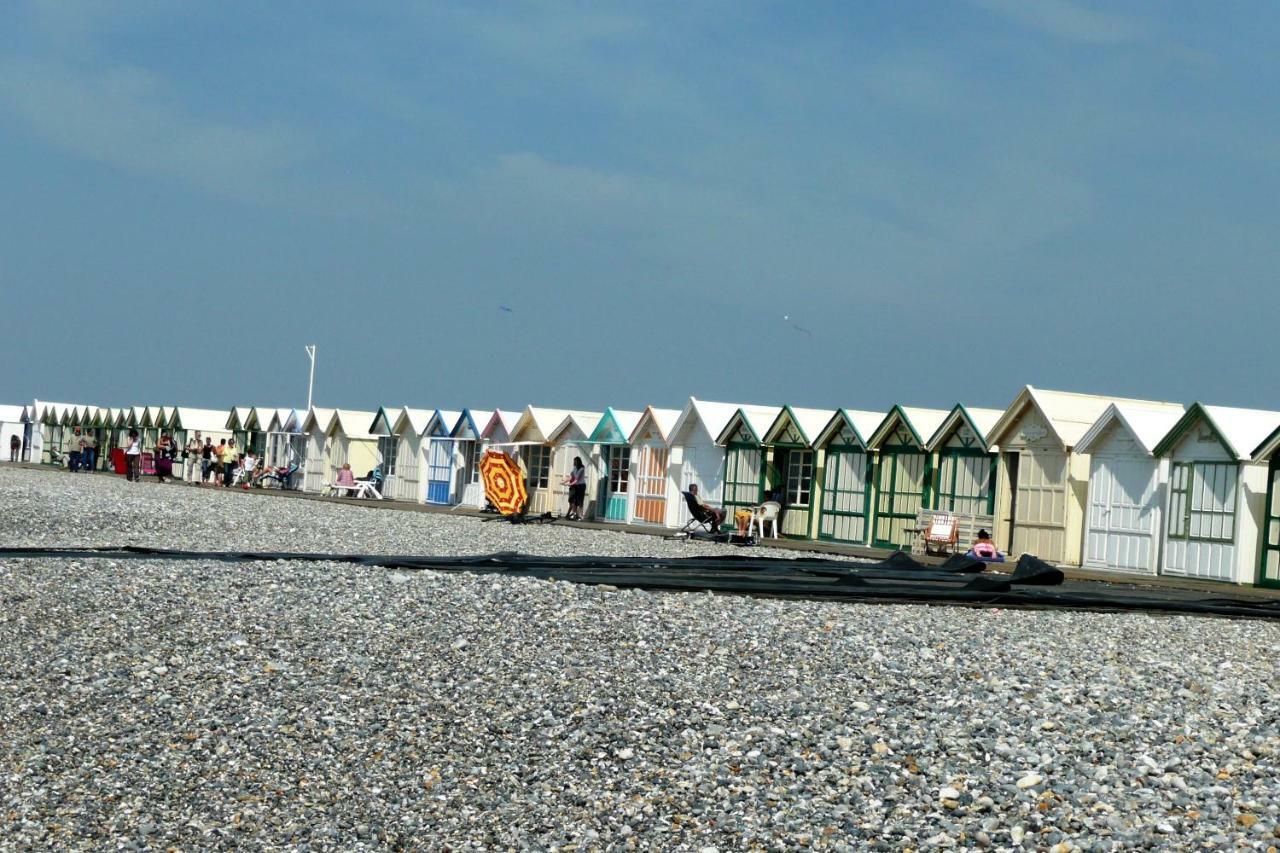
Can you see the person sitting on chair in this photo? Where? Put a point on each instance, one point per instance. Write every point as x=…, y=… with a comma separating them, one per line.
x=717, y=515
x=346, y=479
x=984, y=549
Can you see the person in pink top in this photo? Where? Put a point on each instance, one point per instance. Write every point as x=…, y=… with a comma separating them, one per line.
x=345, y=477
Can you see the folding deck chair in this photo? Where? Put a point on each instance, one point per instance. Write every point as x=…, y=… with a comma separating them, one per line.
x=701, y=523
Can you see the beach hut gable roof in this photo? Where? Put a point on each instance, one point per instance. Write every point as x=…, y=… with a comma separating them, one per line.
x=408, y=421
x=1241, y=432
x=204, y=420
x=615, y=426
x=654, y=423
x=317, y=420
x=979, y=422
x=798, y=426
x=537, y=424
x=583, y=422
x=441, y=422
x=712, y=417
x=919, y=423
x=858, y=422
x=1147, y=426
x=471, y=423
x=1067, y=414
x=351, y=423
x=501, y=419
x=748, y=424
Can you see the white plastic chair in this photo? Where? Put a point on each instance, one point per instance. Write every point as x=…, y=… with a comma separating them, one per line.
x=766, y=512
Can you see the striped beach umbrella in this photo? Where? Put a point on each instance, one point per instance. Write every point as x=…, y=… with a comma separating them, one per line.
x=503, y=482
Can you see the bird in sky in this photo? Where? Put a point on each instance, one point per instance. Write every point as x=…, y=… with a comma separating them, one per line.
x=787, y=319
x=505, y=308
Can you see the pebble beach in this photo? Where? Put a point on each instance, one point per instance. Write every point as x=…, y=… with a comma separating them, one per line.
x=157, y=704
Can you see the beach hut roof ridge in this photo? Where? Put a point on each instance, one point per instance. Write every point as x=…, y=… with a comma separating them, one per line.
x=1243, y=432
x=203, y=420
x=1068, y=414
x=664, y=420
x=979, y=420
x=810, y=422
x=1148, y=425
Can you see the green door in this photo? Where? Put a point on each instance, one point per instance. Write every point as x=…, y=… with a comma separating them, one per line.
x=902, y=491
x=846, y=494
x=743, y=477
x=1269, y=569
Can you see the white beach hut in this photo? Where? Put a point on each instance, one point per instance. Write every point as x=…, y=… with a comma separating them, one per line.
x=443, y=465
x=1127, y=487
x=1217, y=491
x=33, y=436
x=793, y=466
x=654, y=498
x=569, y=439
x=315, y=427
x=1043, y=481
x=695, y=458
x=12, y=425
x=286, y=443
x=400, y=444
x=468, y=432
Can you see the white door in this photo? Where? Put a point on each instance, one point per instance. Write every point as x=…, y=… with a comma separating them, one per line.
x=407, y=485
x=1122, y=514
x=315, y=474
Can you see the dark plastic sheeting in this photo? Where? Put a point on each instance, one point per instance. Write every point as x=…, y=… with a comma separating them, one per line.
x=1033, y=582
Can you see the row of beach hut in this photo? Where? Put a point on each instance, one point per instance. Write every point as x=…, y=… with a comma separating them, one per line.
x=1112, y=484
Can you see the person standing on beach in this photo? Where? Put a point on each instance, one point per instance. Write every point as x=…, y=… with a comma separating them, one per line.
x=15, y=444
x=229, y=458
x=577, y=482
x=191, y=459
x=133, y=456
x=164, y=458
x=206, y=461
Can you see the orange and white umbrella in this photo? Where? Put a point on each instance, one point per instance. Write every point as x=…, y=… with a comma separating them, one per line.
x=503, y=482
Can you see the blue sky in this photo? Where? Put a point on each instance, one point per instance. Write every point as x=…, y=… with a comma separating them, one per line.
x=953, y=199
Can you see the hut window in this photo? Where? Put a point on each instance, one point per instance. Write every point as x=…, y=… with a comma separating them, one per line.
x=539, y=463
x=619, y=462
x=387, y=447
x=1202, y=501
x=799, y=477
x=473, y=462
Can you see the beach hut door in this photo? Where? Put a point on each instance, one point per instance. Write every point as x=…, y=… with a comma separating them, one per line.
x=844, y=496
x=1122, y=495
x=1270, y=569
x=618, y=461
x=439, y=471
x=651, y=484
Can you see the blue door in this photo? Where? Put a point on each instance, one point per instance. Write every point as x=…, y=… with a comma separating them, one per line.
x=440, y=471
